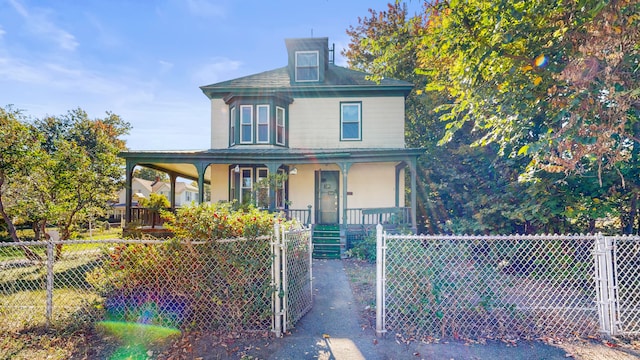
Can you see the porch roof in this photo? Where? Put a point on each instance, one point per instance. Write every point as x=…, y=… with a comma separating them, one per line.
x=183, y=163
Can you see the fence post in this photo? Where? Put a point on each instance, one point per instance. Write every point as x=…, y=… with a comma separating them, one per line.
x=285, y=280
x=380, y=282
x=50, y=260
x=605, y=284
x=277, y=304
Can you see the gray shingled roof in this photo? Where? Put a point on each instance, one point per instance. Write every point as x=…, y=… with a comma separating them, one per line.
x=336, y=77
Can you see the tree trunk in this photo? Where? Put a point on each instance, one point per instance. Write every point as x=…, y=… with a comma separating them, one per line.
x=633, y=213
x=13, y=233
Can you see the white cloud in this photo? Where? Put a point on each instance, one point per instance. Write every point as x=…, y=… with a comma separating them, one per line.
x=2, y=32
x=165, y=66
x=214, y=71
x=38, y=22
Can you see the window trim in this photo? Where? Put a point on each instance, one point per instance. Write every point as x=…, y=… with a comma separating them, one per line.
x=243, y=188
x=283, y=126
x=316, y=67
x=243, y=125
x=258, y=124
x=232, y=126
x=342, y=121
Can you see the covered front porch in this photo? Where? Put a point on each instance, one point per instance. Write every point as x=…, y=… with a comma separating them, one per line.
x=353, y=189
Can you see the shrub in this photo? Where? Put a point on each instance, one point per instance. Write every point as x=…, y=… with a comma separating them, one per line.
x=206, y=277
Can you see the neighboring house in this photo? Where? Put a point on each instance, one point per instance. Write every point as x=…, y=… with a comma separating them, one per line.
x=142, y=189
x=338, y=137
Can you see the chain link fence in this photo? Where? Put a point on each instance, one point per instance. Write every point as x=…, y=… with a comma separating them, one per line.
x=205, y=285
x=509, y=287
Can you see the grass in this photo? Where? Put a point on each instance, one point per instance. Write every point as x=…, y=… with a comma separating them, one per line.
x=16, y=253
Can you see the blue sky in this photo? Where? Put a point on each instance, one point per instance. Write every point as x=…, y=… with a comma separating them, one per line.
x=145, y=60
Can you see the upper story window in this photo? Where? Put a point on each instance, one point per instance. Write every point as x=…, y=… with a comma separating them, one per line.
x=246, y=124
x=280, y=126
x=232, y=126
x=263, y=124
x=257, y=122
x=307, y=66
x=350, y=121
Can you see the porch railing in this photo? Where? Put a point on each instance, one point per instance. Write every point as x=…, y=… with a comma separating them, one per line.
x=302, y=215
x=146, y=216
x=385, y=216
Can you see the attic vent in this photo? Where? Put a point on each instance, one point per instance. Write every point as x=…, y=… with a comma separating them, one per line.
x=332, y=54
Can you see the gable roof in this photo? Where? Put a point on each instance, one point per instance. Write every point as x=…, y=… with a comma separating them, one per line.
x=337, y=80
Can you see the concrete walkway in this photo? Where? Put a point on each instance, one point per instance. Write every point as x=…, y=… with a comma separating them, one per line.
x=332, y=330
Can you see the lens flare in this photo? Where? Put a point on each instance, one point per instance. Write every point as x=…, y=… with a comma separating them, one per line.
x=541, y=61
x=135, y=337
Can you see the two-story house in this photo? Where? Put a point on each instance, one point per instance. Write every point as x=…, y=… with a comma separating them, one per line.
x=335, y=136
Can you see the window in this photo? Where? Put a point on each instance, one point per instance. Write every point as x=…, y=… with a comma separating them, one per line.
x=350, y=121
x=307, y=68
x=280, y=126
x=263, y=123
x=246, y=185
x=280, y=190
x=232, y=126
x=262, y=193
x=246, y=124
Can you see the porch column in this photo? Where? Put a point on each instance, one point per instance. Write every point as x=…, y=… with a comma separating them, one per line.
x=413, y=164
x=128, y=191
x=399, y=168
x=201, y=167
x=273, y=170
x=172, y=191
x=344, y=167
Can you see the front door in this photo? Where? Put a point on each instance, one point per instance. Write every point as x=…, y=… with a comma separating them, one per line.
x=327, y=197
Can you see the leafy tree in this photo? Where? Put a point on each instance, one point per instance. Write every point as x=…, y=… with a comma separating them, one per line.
x=19, y=153
x=455, y=182
x=85, y=171
x=150, y=174
x=156, y=202
x=551, y=82
x=58, y=170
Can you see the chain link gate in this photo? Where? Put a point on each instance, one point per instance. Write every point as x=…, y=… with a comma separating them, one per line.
x=292, y=275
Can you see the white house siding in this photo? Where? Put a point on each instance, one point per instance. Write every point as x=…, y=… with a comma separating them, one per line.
x=373, y=185
x=315, y=123
x=219, y=182
x=219, y=124
x=137, y=186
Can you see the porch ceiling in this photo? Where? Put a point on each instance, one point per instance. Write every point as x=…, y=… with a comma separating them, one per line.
x=183, y=163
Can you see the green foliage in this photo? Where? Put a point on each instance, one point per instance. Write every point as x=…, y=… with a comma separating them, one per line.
x=365, y=249
x=218, y=221
x=68, y=168
x=155, y=202
x=530, y=112
x=201, y=274
x=150, y=174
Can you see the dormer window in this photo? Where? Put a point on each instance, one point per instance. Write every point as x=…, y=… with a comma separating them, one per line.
x=307, y=66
